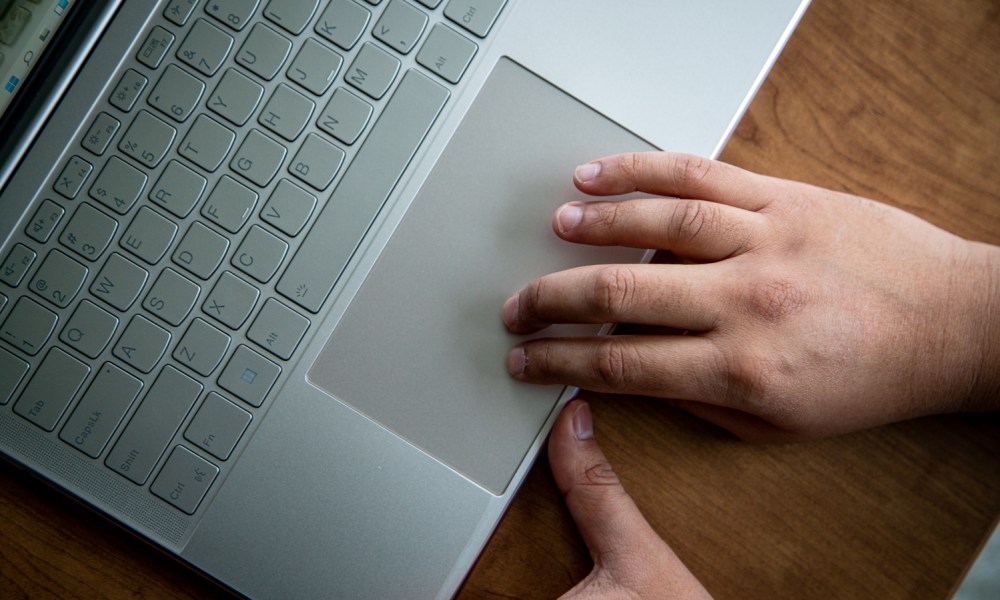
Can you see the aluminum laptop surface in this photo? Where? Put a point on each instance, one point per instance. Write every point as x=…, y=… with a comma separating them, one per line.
x=255, y=253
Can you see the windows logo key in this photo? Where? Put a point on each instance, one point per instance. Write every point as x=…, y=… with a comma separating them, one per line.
x=11, y=84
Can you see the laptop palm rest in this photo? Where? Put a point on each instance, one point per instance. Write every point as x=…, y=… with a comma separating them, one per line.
x=421, y=350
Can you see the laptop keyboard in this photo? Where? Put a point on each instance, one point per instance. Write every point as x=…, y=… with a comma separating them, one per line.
x=178, y=258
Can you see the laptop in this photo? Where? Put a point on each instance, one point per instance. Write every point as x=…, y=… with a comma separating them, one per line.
x=254, y=254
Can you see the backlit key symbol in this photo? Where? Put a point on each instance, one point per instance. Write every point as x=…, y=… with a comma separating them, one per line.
x=130, y=146
x=66, y=182
x=216, y=307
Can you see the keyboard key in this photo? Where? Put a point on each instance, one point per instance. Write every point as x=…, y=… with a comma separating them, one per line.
x=28, y=326
x=207, y=143
x=72, y=177
x=236, y=97
x=201, y=251
x=178, y=11
x=143, y=344
x=127, y=91
x=148, y=139
x=345, y=116
x=153, y=425
x=99, y=134
x=288, y=208
x=291, y=15
x=155, y=47
x=343, y=22
x=287, y=112
x=278, y=329
x=149, y=235
x=119, y=282
x=364, y=188
x=218, y=426
x=12, y=371
x=202, y=347
x=178, y=189
x=51, y=389
x=230, y=204
x=430, y=3
x=172, y=297
x=59, y=279
x=316, y=162
x=231, y=301
x=15, y=19
x=249, y=376
x=118, y=186
x=90, y=329
x=184, y=479
x=260, y=254
x=372, y=71
x=206, y=47
x=315, y=67
x=446, y=53
x=46, y=218
x=400, y=26
x=177, y=93
x=89, y=232
x=264, y=52
x=232, y=13
x=258, y=158
x=16, y=265
x=475, y=16
x=100, y=411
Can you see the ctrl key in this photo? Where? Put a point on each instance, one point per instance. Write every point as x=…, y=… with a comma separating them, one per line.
x=184, y=479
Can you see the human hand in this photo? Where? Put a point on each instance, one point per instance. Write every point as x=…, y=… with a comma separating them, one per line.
x=810, y=312
x=630, y=559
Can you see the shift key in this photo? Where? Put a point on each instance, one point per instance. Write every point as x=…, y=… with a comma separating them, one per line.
x=154, y=424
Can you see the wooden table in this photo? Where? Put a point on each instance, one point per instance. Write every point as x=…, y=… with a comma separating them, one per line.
x=895, y=100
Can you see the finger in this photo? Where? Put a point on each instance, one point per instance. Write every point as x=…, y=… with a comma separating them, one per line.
x=680, y=296
x=696, y=229
x=628, y=555
x=682, y=367
x=673, y=174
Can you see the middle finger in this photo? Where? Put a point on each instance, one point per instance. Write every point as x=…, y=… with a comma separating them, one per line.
x=678, y=296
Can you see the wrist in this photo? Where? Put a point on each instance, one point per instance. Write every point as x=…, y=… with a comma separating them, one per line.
x=985, y=392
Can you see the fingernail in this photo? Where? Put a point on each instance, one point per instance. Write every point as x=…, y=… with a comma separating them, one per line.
x=568, y=217
x=510, y=310
x=515, y=362
x=587, y=172
x=583, y=423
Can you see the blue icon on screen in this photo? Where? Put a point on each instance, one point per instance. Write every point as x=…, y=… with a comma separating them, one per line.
x=11, y=84
x=63, y=3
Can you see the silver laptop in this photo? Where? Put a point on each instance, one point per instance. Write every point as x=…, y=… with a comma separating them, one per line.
x=254, y=254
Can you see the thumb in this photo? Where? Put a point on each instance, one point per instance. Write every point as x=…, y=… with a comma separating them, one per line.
x=630, y=559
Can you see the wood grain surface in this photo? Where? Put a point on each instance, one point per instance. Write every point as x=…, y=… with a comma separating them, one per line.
x=897, y=101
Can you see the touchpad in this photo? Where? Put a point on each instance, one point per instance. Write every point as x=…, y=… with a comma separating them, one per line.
x=422, y=348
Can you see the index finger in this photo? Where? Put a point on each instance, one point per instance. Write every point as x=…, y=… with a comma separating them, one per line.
x=673, y=174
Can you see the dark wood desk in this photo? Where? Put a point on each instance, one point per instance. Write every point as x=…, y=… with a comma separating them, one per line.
x=898, y=101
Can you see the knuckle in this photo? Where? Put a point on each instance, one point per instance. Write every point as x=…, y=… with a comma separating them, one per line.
x=690, y=170
x=599, y=474
x=755, y=383
x=774, y=299
x=616, y=364
x=614, y=291
x=690, y=218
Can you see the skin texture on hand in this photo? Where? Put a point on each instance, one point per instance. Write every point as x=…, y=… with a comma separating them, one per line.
x=630, y=559
x=806, y=312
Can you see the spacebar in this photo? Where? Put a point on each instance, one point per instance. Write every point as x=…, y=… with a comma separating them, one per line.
x=362, y=191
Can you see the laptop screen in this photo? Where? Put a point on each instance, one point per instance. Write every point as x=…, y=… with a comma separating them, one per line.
x=26, y=28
